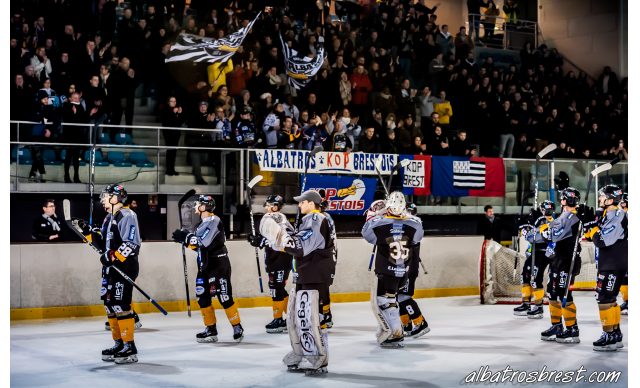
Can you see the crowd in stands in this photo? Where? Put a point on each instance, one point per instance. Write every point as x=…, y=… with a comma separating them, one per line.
x=395, y=80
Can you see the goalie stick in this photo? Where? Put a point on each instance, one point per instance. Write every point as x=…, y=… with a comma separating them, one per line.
x=250, y=186
x=594, y=174
x=73, y=225
x=182, y=200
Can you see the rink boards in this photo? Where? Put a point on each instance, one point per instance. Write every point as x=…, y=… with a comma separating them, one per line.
x=63, y=280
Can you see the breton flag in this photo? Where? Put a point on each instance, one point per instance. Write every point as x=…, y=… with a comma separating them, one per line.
x=198, y=49
x=468, y=174
x=453, y=176
x=300, y=70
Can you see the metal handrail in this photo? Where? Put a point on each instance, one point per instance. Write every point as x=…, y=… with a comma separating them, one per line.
x=90, y=125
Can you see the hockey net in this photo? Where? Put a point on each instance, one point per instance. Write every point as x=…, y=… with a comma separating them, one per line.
x=500, y=284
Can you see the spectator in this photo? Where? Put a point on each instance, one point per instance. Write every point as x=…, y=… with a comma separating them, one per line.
x=369, y=142
x=463, y=44
x=344, y=86
x=202, y=120
x=225, y=101
x=489, y=23
x=438, y=144
x=426, y=104
x=353, y=130
x=445, y=41
x=361, y=87
x=74, y=113
x=490, y=225
x=47, y=227
x=315, y=134
x=172, y=116
x=244, y=130
x=124, y=88
x=461, y=145
x=217, y=74
x=473, y=10
x=41, y=64
x=47, y=115
x=271, y=126
x=508, y=124
x=390, y=145
x=444, y=110
x=289, y=136
x=417, y=148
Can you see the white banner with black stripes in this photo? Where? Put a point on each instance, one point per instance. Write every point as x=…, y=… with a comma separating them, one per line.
x=200, y=49
x=300, y=70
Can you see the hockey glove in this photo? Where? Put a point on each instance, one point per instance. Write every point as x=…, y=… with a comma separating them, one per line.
x=586, y=213
x=545, y=231
x=106, y=258
x=180, y=236
x=377, y=208
x=256, y=240
x=591, y=228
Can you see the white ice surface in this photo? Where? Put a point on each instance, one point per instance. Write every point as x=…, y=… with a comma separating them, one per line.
x=464, y=337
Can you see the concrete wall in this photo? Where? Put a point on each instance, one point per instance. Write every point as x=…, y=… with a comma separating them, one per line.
x=591, y=33
x=47, y=275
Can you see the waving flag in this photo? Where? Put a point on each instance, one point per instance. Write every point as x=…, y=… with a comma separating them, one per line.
x=299, y=69
x=199, y=49
x=463, y=176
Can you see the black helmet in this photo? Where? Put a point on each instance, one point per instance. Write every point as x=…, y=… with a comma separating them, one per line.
x=625, y=199
x=117, y=190
x=412, y=208
x=208, y=202
x=571, y=196
x=547, y=207
x=274, y=200
x=613, y=192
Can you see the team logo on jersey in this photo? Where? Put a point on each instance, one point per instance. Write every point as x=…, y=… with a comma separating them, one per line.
x=306, y=235
x=558, y=232
x=132, y=232
x=608, y=230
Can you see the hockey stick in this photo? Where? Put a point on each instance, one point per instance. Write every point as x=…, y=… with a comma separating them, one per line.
x=400, y=164
x=73, y=225
x=250, y=185
x=307, y=160
x=92, y=172
x=378, y=164
x=182, y=200
x=544, y=152
x=594, y=174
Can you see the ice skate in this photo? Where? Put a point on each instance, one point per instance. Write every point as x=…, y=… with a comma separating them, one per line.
x=108, y=354
x=570, y=335
x=238, y=333
x=278, y=325
x=606, y=343
x=127, y=355
x=522, y=309
x=551, y=333
x=419, y=330
x=209, y=334
x=535, y=312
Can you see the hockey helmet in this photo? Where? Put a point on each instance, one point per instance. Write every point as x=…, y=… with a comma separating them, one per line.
x=274, y=200
x=117, y=190
x=613, y=192
x=571, y=196
x=547, y=207
x=412, y=208
x=396, y=203
x=625, y=199
x=207, y=201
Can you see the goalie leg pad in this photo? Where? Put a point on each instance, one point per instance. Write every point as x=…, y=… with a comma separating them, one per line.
x=386, y=311
x=312, y=343
x=293, y=358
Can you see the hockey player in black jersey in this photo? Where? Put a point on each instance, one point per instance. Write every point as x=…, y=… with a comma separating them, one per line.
x=562, y=233
x=414, y=323
x=119, y=239
x=394, y=235
x=277, y=264
x=312, y=249
x=532, y=277
x=214, y=269
x=610, y=236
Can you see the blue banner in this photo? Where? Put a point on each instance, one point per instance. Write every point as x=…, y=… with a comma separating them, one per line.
x=346, y=194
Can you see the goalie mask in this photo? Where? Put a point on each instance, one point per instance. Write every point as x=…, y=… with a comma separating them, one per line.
x=613, y=192
x=571, y=196
x=547, y=208
x=396, y=204
x=116, y=190
x=207, y=201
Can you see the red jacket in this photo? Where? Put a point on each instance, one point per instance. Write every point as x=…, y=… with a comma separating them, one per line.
x=360, y=93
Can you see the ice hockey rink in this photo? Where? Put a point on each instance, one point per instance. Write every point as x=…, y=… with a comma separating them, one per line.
x=465, y=337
